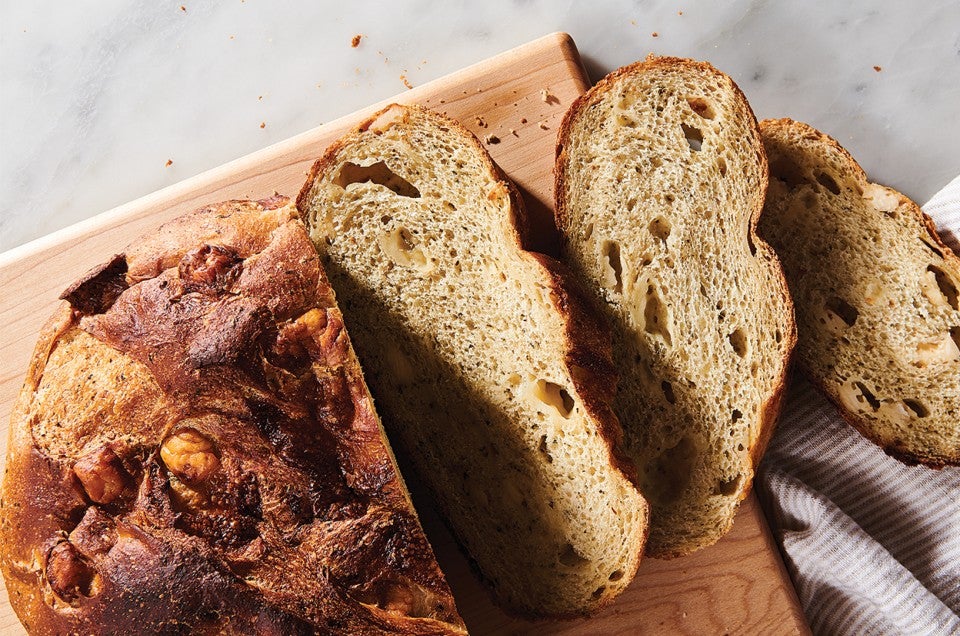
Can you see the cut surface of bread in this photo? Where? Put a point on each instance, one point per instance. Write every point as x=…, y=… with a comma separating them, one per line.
x=660, y=176
x=194, y=450
x=489, y=374
x=876, y=294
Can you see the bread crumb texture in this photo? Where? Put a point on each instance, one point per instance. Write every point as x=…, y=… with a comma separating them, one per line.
x=660, y=177
x=876, y=294
x=467, y=354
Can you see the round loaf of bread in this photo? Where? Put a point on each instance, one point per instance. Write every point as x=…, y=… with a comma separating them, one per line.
x=195, y=451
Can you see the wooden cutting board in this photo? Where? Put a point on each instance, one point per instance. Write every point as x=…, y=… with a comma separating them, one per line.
x=738, y=586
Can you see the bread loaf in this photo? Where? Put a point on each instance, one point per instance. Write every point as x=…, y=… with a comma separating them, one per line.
x=876, y=294
x=660, y=178
x=492, y=378
x=195, y=451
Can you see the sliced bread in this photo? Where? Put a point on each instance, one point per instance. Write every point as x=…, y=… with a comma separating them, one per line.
x=660, y=178
x=876, y=294
x=492, y=379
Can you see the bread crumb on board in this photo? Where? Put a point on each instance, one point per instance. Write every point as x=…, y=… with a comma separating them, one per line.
x=491, y=139
x=355, y=41
x=547, y=97
x=543, y=125
x=479, y=121
x=523, y=120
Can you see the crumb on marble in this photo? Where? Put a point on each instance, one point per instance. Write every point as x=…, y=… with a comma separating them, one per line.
x=679, y=12
x=263, y=124
x=183, y=8
x=878, y=68
x=655, y=34
x=355, y=41
x=491, y=139
x=231, y=37
x=406, y=82
x=169, y=163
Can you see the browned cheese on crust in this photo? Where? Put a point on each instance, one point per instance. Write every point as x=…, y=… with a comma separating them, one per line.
x=194, y=450
x=876, y=294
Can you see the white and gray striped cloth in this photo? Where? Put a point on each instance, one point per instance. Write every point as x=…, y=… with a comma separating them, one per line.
x=872, y=545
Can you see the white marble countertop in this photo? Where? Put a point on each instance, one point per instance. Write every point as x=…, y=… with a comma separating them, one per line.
x=97, y=99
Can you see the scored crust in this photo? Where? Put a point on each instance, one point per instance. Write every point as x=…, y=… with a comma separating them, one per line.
x=587, y=347
x=805, y=155
x=194, y=449
x=768, y=411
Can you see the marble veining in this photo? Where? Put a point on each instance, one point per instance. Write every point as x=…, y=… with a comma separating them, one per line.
x=96, y=98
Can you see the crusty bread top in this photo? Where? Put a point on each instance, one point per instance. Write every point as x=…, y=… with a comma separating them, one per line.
x=660, y=178
x=194, y=450
x=876, y=294
x=491, y=374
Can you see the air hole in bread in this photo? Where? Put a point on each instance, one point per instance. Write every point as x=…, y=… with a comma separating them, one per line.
x=738, y=340
x=701, y=107
x=613, y=267
x=626, y=122
x=616, y=575
x=669, y=198
x=694, y=137
x=722, y=166
x=660, y=228
x=917, y=407
x=400, y=246
x=555, y=396
x=727, y=487
x=782, y=169
x=570, y=558
x=842, y=309
x=778, y=336
x=948, y=289
x=655, y=321
x=588, y=232
x=867, y=396
x=735, y=417
x=378, y=173
x=828, y=182
x=667, y=389
x=597, y=593
x=751, y=245
x=385, y=219
x=955, y=334
x=543, y=448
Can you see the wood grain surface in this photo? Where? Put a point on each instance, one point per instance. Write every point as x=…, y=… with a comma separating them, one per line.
x=738, y=586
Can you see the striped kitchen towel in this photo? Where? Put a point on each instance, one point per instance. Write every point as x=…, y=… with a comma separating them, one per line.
x=872, y=545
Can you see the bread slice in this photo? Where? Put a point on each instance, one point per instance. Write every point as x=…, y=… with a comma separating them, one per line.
x=490, y=375
x=194, y=450
x=660, y=177
x=876, y=294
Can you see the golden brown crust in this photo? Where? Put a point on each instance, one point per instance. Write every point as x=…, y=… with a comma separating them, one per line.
x=770, y=411
x=910, y=457
x=588, y=358
x=257, y=496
